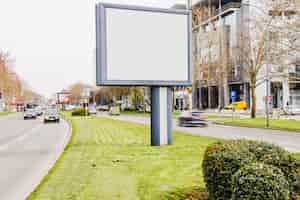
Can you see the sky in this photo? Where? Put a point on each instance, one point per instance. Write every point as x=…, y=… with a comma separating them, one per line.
x=53, y=41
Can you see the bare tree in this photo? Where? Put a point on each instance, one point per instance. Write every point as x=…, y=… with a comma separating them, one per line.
x=111, y=93
x=268, y=41
x=76, y=91
x=10, y=83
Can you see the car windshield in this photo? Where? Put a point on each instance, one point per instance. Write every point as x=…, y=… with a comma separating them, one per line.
x=51, y=112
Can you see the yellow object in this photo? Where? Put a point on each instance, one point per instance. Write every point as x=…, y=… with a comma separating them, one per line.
x=239, y=105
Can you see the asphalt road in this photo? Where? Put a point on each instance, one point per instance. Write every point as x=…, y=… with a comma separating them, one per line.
x=289, y=140
x=28, y=149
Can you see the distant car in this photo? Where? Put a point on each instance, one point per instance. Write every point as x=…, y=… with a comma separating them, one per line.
x=92, y=110
x=30, y=114
x=103, y=108
x=70, y=107
x=192, y=119
x=39, y=111
x=239, y=105
x=51, y=115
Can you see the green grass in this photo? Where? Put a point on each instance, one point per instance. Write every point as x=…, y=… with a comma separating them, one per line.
x=146, y=114
x=289, y=125
x=296, y=155
x=220, y=117
x=4, y=113
x=110, y=159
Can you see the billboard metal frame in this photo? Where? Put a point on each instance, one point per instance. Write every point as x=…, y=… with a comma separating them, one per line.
x=101, y=45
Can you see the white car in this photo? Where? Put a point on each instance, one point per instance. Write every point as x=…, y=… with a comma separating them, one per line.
x=30, y=114
x=92, y=110
x=70, y=107
x=51, y=115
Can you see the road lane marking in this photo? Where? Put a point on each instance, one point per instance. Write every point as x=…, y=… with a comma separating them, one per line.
x=20, y=138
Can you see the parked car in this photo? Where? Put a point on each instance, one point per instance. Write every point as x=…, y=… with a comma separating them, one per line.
x=30, y=114
x=238, y=105
x=103, y=108
x=51, y=115
x=192, y=119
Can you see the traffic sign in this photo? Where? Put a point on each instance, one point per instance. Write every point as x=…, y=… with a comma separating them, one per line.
x=269, y=99
x=233, y=95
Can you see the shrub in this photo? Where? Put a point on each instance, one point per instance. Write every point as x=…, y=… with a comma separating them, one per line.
x=276, y=156
x=221, y=160
x=79, y=112
x=259, y=181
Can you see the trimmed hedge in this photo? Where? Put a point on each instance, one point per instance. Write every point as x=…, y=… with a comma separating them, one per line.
x=276, y=156
x=79, y=112
x=260, y=182
x=222, y=160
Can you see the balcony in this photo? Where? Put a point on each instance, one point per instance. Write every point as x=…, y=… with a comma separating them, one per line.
x=226, y=9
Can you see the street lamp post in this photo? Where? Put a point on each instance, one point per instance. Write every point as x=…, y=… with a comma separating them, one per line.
x=267, y=97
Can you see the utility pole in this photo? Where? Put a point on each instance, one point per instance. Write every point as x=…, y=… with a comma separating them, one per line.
x=221, y=61
x=189, y=4
x=267, y=84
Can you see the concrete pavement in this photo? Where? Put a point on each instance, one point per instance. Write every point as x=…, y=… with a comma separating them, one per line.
x=289, y=140
x=28, y=149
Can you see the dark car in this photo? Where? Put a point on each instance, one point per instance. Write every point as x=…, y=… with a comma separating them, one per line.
x=30, y=114
x=192, y=119
x=51, y=115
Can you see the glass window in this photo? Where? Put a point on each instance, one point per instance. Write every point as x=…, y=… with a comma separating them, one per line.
x=297, y=68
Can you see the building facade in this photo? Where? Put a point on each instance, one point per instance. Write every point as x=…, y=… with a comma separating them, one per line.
x=220, y=68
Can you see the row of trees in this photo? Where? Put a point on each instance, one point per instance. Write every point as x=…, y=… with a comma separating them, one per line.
x=12, y=88
x=270, y=38
x=109, y=94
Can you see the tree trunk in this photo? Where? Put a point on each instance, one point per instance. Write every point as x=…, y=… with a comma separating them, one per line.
x=253, y=98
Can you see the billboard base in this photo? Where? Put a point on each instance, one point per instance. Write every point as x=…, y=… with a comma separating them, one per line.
x=161, y=116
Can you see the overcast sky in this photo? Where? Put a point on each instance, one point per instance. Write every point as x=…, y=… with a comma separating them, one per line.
x=53, y=41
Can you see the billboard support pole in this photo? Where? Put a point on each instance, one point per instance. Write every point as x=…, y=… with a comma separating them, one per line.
x=161, y=116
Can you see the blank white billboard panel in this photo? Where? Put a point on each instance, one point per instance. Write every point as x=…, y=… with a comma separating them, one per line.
x=142, y=46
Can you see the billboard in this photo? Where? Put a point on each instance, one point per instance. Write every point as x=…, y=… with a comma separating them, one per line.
x=143, y=46
x=63, y=98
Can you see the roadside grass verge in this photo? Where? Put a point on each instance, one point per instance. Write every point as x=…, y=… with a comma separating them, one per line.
x=296, y=155
x=4, y=113
x=175, y=115
x=143, y=114
x=110, y=159
x=288, y=125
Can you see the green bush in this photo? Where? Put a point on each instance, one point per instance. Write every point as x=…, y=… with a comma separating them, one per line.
x=259, y=181
x=276, y=156
x=221, y=160
x=79, y=112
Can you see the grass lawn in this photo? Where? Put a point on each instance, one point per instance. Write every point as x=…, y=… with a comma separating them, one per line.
x=110, y=159
x=289, y=125
x=297, y=155
x=146, y=114
x=4, y=113
x=221, y=117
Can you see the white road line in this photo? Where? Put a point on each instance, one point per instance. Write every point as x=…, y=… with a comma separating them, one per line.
x=20, y=138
